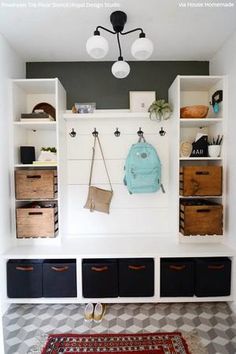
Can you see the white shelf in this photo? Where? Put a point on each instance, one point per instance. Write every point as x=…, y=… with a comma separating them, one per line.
x=106, y=114
x=37, y=86
x=200, y=158
x=199, y=122
x=36, y=125
x=200, y=196
x=124, y=300
x=200, y=239
x=33, y=166
x=198, y=83
x=116, y=247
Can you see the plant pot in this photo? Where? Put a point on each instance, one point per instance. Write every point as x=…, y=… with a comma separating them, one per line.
x=214, y=150
x=47, y=156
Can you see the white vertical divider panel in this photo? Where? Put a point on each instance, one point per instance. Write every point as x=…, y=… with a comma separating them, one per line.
x=138, y=214
x=61, y=157
x=174, y=100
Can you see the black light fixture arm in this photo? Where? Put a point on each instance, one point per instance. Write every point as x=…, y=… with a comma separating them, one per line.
x=96, y=32
x=142, y=34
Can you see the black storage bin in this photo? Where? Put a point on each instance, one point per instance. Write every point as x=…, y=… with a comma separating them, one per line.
x=24, y=278
x=59, y=278
x=136, y=277
x=213, y=276
x=177, y=277
x=99, y=278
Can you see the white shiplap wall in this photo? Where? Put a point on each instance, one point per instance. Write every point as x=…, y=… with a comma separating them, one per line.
x=137, y=214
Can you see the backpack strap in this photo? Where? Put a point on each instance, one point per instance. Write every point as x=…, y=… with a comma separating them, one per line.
x=96, y=138
x=141, y=138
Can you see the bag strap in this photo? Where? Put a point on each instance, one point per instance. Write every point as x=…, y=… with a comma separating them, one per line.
x=141, y=137
x=96, y=138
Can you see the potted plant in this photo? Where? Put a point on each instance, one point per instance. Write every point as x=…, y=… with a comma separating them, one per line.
x=48, y=154
x=160, y=110
x=214, y=146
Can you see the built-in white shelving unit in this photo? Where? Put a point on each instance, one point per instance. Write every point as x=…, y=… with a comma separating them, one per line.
x=157, y=234
x=188, y=91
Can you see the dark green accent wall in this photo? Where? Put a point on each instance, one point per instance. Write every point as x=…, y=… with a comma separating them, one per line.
x=94, y=82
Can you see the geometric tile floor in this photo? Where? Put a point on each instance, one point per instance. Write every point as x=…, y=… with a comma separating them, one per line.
x=214, y=322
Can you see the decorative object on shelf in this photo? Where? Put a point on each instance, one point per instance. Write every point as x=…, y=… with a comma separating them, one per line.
x=48, y=154
x=38, y=116
x=84, y=107
x=197, y=111
x=185, y=148
x=47, y=108
x=73, y=109
x=72, y=133
x=97, y=46
x=159, y=110
x=140, y=101
x=98, y=199
x=200, y=145
x=162, y=132
x=217, y=97
x=27, y=154
x=117, y=132
x=214, y=146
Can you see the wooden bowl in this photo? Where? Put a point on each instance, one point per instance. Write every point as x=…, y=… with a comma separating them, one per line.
x=198, y=111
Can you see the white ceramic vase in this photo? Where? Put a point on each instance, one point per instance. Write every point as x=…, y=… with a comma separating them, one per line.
x=214, y=150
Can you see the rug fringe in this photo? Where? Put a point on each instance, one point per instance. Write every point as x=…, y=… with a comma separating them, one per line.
x=194, y=342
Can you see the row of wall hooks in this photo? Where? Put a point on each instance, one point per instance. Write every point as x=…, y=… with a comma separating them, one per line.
x=117, y=133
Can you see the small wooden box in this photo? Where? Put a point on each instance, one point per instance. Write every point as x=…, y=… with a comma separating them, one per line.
x=201, y=218
x=36, y=222
x=36, y=184
x=201, y=180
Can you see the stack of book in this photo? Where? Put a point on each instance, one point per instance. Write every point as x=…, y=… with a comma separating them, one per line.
x=37, y=116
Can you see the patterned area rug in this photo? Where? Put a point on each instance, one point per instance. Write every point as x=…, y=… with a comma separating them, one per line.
x=148, y=343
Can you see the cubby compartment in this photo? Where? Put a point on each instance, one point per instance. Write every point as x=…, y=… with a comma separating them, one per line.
x=100, y=278
x=200, y=217
x=59, y=278
x=24, y=278
x=213, y=276
x=177, y=277
x=198, y=180
x=37, y=220
x=36, y=184
x=136, y=277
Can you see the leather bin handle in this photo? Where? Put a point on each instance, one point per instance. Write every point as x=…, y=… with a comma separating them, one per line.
x=177, y=267
x=60, y=269
x=203, y=210
x=214, y=266
x=34, y=176
x=35, y=213
x=202, y=173
x=135, y=267
x=25, y=269
x=99, y=269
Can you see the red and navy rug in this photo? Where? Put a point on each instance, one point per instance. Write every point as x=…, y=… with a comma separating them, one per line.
x=147, y=343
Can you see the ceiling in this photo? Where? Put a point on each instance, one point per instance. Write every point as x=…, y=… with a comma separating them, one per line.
x=57, y=30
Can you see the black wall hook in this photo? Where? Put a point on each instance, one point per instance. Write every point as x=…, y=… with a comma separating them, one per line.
x=162, y=132
x=95, y=132
x=140, y=132
x=72, y=133
x=117, y=132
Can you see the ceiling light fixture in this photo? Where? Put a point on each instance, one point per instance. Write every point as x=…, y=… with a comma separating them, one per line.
x=97, y=46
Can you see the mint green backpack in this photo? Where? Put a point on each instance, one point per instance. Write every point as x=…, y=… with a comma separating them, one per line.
x=143, y=169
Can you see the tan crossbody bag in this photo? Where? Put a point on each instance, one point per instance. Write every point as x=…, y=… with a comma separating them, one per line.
x=98, y=199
